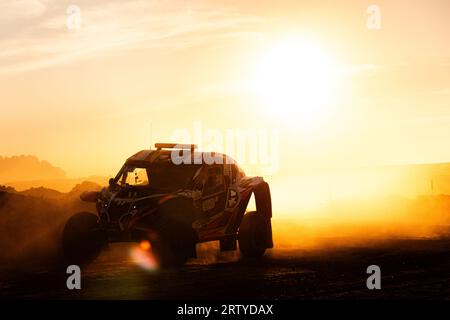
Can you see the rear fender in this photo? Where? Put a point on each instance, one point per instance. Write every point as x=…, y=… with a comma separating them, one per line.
x=264, y=206
x=261, y=191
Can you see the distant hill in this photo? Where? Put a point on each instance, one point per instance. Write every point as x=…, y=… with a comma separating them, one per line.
x=25, y=172
x=51, y=194
x=42, y=192
x=7, y=189
x=27, y=167
x=61, y=185
x=84, y=186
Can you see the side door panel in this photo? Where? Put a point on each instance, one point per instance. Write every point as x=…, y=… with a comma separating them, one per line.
x=213, y=202
x=213, y=195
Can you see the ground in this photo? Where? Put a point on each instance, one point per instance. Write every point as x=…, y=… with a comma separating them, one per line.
x=412, y=268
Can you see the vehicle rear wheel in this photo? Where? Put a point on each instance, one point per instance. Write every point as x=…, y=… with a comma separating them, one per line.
x=252, y=235
x=82, y=240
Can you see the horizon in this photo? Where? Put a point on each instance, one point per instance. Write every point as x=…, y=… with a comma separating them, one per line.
x=314, y=188
x=313, y=169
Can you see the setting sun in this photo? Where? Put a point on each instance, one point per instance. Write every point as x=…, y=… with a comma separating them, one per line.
x=296, y=80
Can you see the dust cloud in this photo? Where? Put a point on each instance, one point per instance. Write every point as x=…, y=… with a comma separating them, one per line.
x=31, y=223
x=31, y=227
x=364, y=221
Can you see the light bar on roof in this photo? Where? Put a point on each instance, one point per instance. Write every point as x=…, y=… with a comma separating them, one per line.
x=160, y=146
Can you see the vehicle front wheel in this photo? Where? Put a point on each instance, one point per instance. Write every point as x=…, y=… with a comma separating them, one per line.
x=174, y=243
x=167, y=255
x=252, y=235
x=82, y=240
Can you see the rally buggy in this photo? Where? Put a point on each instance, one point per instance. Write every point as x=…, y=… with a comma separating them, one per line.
x=173, y=206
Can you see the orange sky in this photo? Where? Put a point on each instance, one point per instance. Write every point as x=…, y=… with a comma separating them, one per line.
x=86, y=99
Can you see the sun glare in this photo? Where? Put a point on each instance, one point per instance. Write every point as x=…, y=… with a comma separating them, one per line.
x=296, y=80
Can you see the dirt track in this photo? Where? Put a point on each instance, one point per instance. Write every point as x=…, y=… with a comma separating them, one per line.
x=410, y=269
